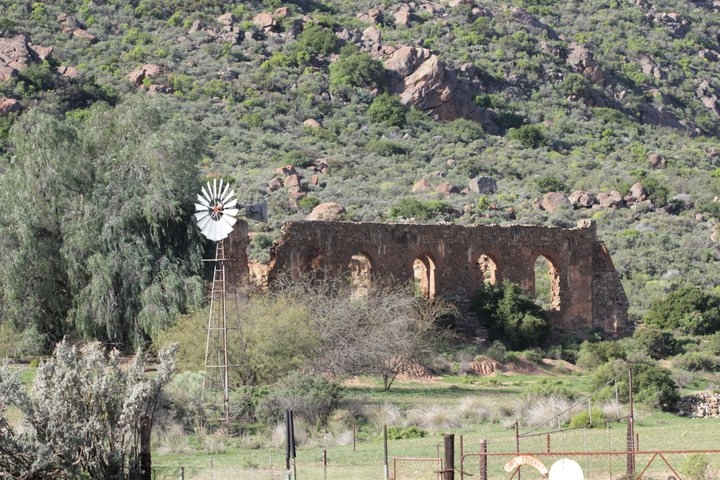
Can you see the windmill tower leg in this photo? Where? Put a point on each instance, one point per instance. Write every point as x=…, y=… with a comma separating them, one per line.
x=216, y=345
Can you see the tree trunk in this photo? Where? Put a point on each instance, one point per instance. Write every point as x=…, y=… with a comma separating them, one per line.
x=145, y=458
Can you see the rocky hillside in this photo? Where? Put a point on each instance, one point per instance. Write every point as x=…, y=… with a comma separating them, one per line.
x=464, y=111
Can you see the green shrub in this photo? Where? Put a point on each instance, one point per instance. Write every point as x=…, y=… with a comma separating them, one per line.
x=657, y=192
x=405, y=433
x=310, y=396
x=308, y=203
x=510, y=316
x=695, y=361
x=314, y=41
x=388, y=110
x=385, y=148
x=689, y=308
x=656, y=343
x=712, y=344
x=530, y=136
x=696, y=467
x=550, y=184
x=356, y=69
x=594, y=419
x=532, y=355
x=40, y=76
x=412, y=208
x=575, y=84
x=652, y=384
x=497, y=351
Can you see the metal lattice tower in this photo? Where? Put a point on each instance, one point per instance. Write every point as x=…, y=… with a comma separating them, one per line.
x=217, y=364
x=215, y=212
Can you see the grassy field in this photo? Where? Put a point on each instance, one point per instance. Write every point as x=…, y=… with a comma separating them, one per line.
x=441, y=399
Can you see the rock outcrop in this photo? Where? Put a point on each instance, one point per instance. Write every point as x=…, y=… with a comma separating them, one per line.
x=422, y=185
x=582, y=199
x=327, y=212
x=15, y=56
x=483, y=185
x=426, y=82
x=612, y=199
x=700, y=405
x=581, y=59
x=553, y=201
x=9, y=105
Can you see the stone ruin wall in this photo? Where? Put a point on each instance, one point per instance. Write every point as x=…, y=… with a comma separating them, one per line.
x=450, y=261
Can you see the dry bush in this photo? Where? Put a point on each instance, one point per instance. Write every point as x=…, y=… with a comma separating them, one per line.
x=474, y=410
x=385, y=414
x=171, y=439
x=613, y=410
x=433, y=418
x=552, y=410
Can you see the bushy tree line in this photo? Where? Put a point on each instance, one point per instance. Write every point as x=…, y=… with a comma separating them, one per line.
x=96, y=219
x=321, y=328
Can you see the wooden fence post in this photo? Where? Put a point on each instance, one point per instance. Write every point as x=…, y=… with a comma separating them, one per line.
x=449, y=441
x=483, y=460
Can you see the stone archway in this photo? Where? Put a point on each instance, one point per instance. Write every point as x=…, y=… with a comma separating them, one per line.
x=488, y=269
x=424, y=277
x=546, y=283
x=360, y=275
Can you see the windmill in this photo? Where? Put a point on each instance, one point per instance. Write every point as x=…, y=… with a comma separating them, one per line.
x=216, y=213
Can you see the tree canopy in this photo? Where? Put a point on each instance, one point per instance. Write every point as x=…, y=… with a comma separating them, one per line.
x=97, y=212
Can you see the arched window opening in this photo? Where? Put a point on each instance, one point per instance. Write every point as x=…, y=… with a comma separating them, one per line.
x=360, y=275
x=488, y=270
x=424, y=277
x=546, y=284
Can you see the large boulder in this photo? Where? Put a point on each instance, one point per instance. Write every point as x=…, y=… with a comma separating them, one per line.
x=406, y=59
x=311, y=123
x=582, y=61
x=426, y=87
x=372, y=40
x=149, y=70
x=84, y=35
x=484, y=185
x=15, y=56
x=655, y=160
x=612, y=199
x=402, y=15
x=424, y=81
x=446, y=188
x=582, y=199
x=226, y=19
x=264, y=21
x=374, y=15
x=553, y=201
x=422, y=185
x=637, y=193
x=328, y=212
x=9, y=105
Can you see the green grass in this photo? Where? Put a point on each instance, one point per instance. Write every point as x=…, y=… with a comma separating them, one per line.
x=657, y=430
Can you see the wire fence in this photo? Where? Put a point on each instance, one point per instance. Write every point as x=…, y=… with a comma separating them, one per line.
x=661, y=453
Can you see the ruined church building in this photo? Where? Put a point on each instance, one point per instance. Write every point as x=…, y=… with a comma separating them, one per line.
x=451, y=261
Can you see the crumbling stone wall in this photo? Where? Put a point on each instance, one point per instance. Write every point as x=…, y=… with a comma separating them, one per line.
x=587, y=289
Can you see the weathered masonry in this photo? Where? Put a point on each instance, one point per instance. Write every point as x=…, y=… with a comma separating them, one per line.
x=451, y=261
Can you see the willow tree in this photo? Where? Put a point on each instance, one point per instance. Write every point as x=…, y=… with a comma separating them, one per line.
x=96, y=220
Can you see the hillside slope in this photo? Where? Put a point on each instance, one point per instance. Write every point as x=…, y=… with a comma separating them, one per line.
x=574, y=109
